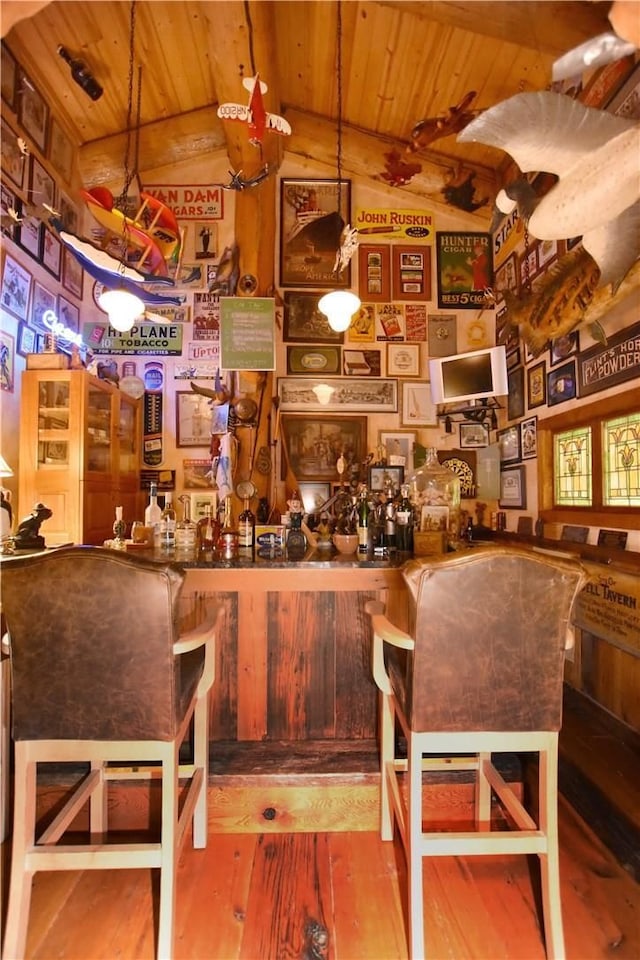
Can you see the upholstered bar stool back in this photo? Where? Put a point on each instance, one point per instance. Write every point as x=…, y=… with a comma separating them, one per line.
x=479, y=672
x=100, y=673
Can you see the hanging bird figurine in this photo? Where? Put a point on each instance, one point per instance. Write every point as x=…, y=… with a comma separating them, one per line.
x=398, y=172
x=434, y=128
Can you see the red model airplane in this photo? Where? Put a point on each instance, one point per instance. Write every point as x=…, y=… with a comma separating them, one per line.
x=254, y=113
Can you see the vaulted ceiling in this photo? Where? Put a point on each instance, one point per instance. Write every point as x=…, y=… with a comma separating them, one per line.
x=401, y=62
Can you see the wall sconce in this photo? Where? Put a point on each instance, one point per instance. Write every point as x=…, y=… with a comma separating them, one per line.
x=81, y=74
x=323, y=392
x=339, y=307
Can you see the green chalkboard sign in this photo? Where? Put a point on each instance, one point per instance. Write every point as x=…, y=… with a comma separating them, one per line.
x=247, y=333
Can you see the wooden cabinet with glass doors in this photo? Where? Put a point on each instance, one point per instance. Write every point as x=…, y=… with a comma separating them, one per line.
x=79, y=454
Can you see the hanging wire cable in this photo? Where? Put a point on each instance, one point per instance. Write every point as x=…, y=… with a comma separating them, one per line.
x=247, y=15
x=339, y=120
x=128, y=172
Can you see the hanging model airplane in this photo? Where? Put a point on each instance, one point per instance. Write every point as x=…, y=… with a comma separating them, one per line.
x=254, y=113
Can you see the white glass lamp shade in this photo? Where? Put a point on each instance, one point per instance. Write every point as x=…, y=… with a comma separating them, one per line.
x=323, y=392
x=122, y=307
x=5, y=469
x=339, y=307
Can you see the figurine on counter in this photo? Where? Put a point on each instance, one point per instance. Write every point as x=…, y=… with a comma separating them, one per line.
x=28, y=535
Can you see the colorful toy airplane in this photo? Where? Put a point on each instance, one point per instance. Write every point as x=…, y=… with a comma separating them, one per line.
x=254, y=113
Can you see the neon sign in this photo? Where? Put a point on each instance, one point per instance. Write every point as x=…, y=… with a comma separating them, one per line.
x=51, y=322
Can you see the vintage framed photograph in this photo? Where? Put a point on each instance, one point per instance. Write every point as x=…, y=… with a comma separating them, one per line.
x=9, y=77
x=403, y=359
x=313, y=444
x=26, y=340
x=506, y=275
x=51, y=255
x=528, y=266
x=529, y=438
x=442, y=335
x=513, y=488
x=68, y=313
x=193, y=419
x=515, y=400
x=12, y=160
x=43, y=301
x=379, y=476
x=304, y=323
x=338, y=394
x=197, y=474
x=33, y=112
x=16, y=287
x=411, y=272
x=561, y=384
x=42, y=184
x=374, y=273
x=418, y=409
x=537, y=385
x=60, y=151
x=474, y=434
x=509, y=444
x=361, y=363
x=547, y=253
x=311, y=361
x=9, y=201
x=312, y=217
x=397, y=448
x=313, y=495
x=513, y=358
x=72, y=274
x=29, y=236
x=7, y=361
x=564, y=347
x=201, y=504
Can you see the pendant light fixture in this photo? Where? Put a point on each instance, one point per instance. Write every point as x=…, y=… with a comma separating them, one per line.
x=122, y=306
x=339, y=306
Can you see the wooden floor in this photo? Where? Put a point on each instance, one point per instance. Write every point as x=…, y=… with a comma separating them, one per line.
x=338, y=895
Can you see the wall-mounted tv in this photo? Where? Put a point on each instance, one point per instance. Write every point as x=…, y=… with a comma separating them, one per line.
x=469, y=376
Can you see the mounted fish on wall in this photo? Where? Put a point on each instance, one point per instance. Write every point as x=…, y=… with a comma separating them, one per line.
x=594, y=154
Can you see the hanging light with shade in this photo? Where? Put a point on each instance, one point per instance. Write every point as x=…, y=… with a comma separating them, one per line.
x=339, y=306
x=122, y=308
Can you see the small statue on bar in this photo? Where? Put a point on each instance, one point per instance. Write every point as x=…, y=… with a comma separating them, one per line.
x=28, y=535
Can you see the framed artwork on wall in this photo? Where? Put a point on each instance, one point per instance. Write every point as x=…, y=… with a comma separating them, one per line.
x=474, y=434
x=513, y=488
x=304, y=323
x=193, y=419
x=379, y=477
x=398, y=448
x=465, y=269
x=33, y=112
x=42, y=185
x=313, y=444
x=72, y=274
x=16, y=287
x=9, y=77
x=312, y=216
x=374, y=273
x=30, y=236
x=403, y=359
x=515, y=400
x=564, y=347
x=411, y=272
x=509, y=444
x=12, y=160
x=9, y=201
x=529, y=438
x=43, y=301
x=26, y=340
x=60, y=151
x=68, y=313
x=355, y=395
x=313, y=494
x=561, y=384
x=536, y=385
x=51, y=253
x=361, y=363
x=418, y=409
x=313, y=360
x=7, y=361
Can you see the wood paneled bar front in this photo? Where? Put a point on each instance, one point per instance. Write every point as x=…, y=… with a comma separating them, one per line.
x=293, y=649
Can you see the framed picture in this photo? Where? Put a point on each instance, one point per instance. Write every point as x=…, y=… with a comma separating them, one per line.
x=193, y=419
x=68, y=212
x=201, y=504
x=513, y=358
x=16, y=287
x=9, y=77
x=561, y=384
x=464, y=463
x=304, y=323
x=29, y=236
x=33, y=112
x=26, y=340
x=379, y=477
x=361, y=363
x=474, y=434
x=313, y=495
x=312, y=217
x=51, y=255
x=7, y=360
x=418, y=409
x=465, y=269
x=529, y=438
x=509, y=445
x=43, y=301
x=537, y=385
x=411, y=272
x=528, y=268
x=12, y=160
x=72, y=274
x=547, y=253
x=311, y=361
x=515, y=400
x=60, y=151
x=506, y=275
x=68, y=313
x=443, y=335
x=374, y=273
x=353, y=395
x=403, y=359
x=513, y=488
x=398, y=448
x=626, y=102
x=564, y=347
x=9, y=201
x=313, y=444
x=42, y=185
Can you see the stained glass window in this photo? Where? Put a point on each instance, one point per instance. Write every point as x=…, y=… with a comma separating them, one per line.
x=572, y=467
x=621, y=461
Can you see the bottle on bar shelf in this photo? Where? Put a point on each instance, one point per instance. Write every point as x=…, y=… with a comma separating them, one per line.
x=168, y=524
x=153, y=514
x=246, y=529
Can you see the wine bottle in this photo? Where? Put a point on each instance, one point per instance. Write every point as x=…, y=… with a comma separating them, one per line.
x=404, y=522
x=363, y=522
x=153, y=513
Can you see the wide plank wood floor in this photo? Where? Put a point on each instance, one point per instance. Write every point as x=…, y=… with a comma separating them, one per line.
x=338, y=896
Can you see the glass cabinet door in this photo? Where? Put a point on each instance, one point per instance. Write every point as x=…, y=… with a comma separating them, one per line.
x=53, y=423
x=98, y=426
x=127, y=438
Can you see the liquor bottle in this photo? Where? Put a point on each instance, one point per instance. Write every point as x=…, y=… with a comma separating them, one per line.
x=119, y=530
x=404, y=521
x=363, y=521
x=246, y=528
x=228, y=538
x=296, y=540
x=81, y=74
x=186, y=529
x=390, y=540
x=207, y=532
x=468, y=533
x=168, y=524
x=153, y=513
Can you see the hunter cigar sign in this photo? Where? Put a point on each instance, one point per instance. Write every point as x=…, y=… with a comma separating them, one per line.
x=609, y=607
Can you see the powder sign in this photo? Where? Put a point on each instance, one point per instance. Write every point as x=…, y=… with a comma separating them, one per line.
x=602, y=367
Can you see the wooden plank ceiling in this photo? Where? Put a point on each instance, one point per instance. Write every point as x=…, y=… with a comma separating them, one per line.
x=402, y=62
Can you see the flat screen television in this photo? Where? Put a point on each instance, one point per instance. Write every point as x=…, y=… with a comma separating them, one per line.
x=469, y=376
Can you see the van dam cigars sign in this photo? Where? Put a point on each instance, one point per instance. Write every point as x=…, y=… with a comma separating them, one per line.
x=609, y=607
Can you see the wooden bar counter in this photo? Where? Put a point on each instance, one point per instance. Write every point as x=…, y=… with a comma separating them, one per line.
x=293, y=648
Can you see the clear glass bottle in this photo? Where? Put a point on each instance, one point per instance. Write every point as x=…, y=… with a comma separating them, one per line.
x=434, y=492
x=228, y=538
x=404, y=521
x=207, y=533
x=119, y=531
x=168, y=524
x=246, y=528
x=153, y=514
x=186, y=529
